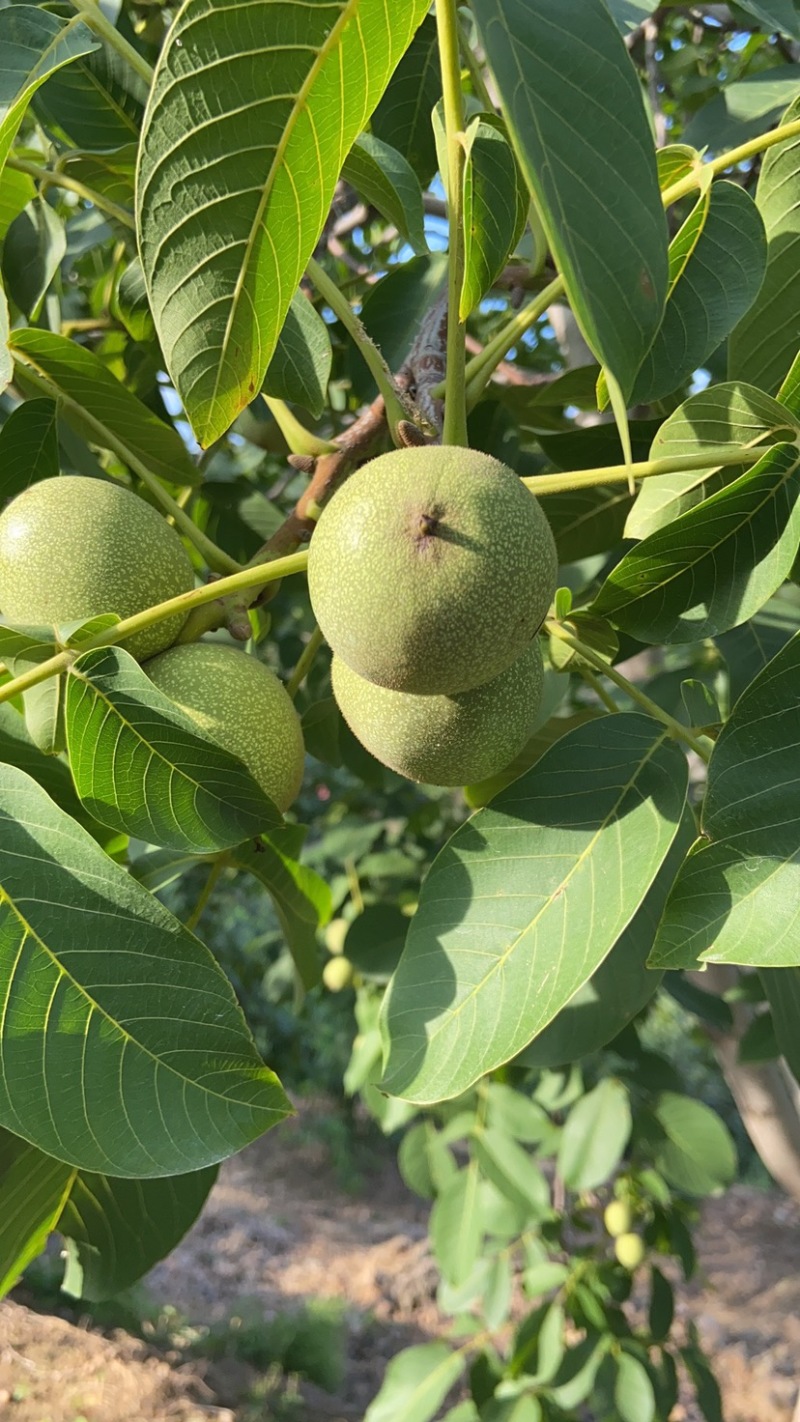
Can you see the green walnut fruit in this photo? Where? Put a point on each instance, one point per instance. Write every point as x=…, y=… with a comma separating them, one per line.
x=618, y=1217
x=242, y=705
x=337, y=974
x=71, y=548
x=335, y=934
x=630, y=1251
x=431, y=570
x=444, y=740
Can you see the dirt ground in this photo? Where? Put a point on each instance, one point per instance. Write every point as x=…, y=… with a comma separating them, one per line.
x=278, y=1231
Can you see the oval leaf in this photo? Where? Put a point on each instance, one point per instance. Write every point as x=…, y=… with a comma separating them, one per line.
x=416, y=1383
x=697, y=1153
x=251, y=114
x=28, y=447
x=124, y=1049
x=574, y=109
x=143, y=767
x=594, y=1137
x=384, y=178
x=715, y=566
x=509, y=911
x=495, y=209
x=300, y=368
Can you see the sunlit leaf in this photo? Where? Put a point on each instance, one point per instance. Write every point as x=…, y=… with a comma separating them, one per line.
x=416, y=1383
x=33, y=1188
x=245, y=134
x=124, y=1049
x=34, y=247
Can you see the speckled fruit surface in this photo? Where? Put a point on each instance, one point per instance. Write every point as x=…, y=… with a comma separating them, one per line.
x=431, y=569
x=444, y=740
x=242, y=705
x=72, y=548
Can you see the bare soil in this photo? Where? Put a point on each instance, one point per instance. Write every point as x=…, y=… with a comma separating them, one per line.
x=278, y=1231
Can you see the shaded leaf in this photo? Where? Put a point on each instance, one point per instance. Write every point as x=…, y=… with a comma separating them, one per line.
x=729, y=414
x=743, y=109
x=711, y=568
x=28, y=447
x=302, y=900
x=97, y=103
x=261, y=164
x=118, y=1229
x=576, y=118
x=416, y=1383
x=386, y=180
x=392, y=311
x=97, y=405
x=782, y=986
x=403, y=116
x=495, y=208
x=780, y=15
x=33, y=43
x=488, y=931
x=33, y=1187
x=748, y=649
x=509, y=1167
x=717, y=285
x=764, y=344
x=662, y=1305
x=375, y=941
x=124, y=1048
x=130, y=304
x=456, y=1227
x=33, y=250
x=16, y=191
x=143, y=766
x=301, y=365
x=6, y=363
x=697, y=1153
x=737, y=897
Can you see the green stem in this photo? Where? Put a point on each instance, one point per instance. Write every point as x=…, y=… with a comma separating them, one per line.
x=248, y=578
x=90, y=11
x=595, y=660
x=730, y=159
x=372, y=357
x=455, y=394
x=215, y=557
x=471, y=60
x=50, y=177
x=599, y=690
x=710, y=458
x=207, y=890
x=299, y=439
x=305, y=662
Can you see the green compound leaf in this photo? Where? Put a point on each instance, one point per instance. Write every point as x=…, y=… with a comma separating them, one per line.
x=495, y=208
x=118, y=1229
x=734, y=414
x=764, y=344
x=252, y=112
x=510, y=912
x=737, y=898
x=574, y=109
x=28, y=447
x=100, y=407
x=718, y=284
x=384, y=178
x=33, y=1188
x=123, y=1048
x=143, y=767
x=33, y=44
x=716, y=565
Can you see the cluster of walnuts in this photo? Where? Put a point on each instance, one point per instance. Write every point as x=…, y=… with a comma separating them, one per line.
x=430, y=573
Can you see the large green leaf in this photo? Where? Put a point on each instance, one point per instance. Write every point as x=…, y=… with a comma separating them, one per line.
x=576, y=118
x=728, y=414
x=764, y=343
x=33, y=43
x=510, y=910
x=28, y=447
x=142, y=766
x=33, y=1187
x=416, y=1383
x=716, y=565
x=737, y=898
x=97, y=103
x=743, y=109
x=403, y=116
x=124, y=1050
x=33, y=250
x=100, y=407
x=495, y=208
x=384, y=178
x=118, y=1229
x=301, y=898
x=623, y=983
x=252, y=112
x=717, y=286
